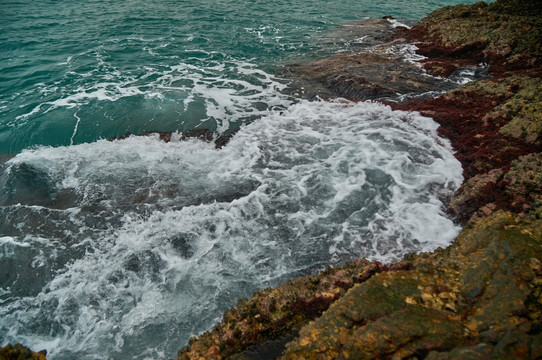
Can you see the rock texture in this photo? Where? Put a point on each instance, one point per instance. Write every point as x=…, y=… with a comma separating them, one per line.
x=272, y=314
x=379, y=68
x=19, y=352
x=481, y=297
x=505, y=34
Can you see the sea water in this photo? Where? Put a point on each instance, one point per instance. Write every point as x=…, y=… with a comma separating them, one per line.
x=126, y=248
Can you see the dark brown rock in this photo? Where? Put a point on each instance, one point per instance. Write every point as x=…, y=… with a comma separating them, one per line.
x=201, y=134
x=375, y=71
x=20, y=352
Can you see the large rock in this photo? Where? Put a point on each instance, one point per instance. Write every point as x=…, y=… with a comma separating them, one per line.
x=506, y=35
x=273, y=315
x=383, y=68
x=484, y=290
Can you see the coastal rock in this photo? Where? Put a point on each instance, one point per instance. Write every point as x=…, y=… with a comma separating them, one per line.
x=272, y=314
x=375, y=71
x=524, y=111
x=366, y=76
x=479, y=291
x=20, y=352
x=503, y=34
x=200, y=134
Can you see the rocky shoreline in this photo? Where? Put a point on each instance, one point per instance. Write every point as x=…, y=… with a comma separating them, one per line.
x=482, y=296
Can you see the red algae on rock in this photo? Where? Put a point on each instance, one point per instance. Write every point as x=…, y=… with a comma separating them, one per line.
x=471, y=118
x=273, y=313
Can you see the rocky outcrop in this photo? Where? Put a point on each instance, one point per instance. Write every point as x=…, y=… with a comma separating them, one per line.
x=274, y=315
x=493, y=124
x=482, y=296
x=382, y=67
x=20, y=352
x=200, y=134
x=505, y=34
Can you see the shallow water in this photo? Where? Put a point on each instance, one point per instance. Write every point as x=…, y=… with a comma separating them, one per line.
x=129, y=247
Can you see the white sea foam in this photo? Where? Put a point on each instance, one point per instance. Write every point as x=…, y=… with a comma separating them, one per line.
x=11, y=241
x=230, y=92
x=163, y=237
x=396, y=23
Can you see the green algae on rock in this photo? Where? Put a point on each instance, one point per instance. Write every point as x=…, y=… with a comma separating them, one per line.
x=526, y=109
x=477, y=291
x=482, y=33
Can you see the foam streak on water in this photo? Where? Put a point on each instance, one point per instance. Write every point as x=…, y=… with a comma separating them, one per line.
x=141, y=244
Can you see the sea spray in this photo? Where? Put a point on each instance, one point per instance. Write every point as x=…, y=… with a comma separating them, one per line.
x=141, y=243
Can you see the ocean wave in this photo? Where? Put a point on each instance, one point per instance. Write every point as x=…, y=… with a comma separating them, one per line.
x=160, y=238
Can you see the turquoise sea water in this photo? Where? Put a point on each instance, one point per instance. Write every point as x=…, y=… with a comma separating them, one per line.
x=125, y=249
x=78, y=71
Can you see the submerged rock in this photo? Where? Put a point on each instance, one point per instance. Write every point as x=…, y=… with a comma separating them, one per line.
x=382, y=67
x=200, y=134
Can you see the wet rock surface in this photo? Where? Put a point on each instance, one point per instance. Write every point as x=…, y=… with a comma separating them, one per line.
x=378, y=64
x=200, y=134
x=478, y=291
x=20, y=352
x=481, y=297
x=274, y=314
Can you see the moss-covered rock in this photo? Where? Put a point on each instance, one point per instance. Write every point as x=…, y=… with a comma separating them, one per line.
x=273, y=313
x=525, y=111
x=478, y=291
x=507, y=34
x=517, y=7
x=517, y=187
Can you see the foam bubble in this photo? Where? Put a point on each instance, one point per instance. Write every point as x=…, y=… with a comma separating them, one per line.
x=11, y=241
x=396, y=23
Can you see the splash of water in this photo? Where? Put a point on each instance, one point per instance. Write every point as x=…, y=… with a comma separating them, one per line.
x=141, y=244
